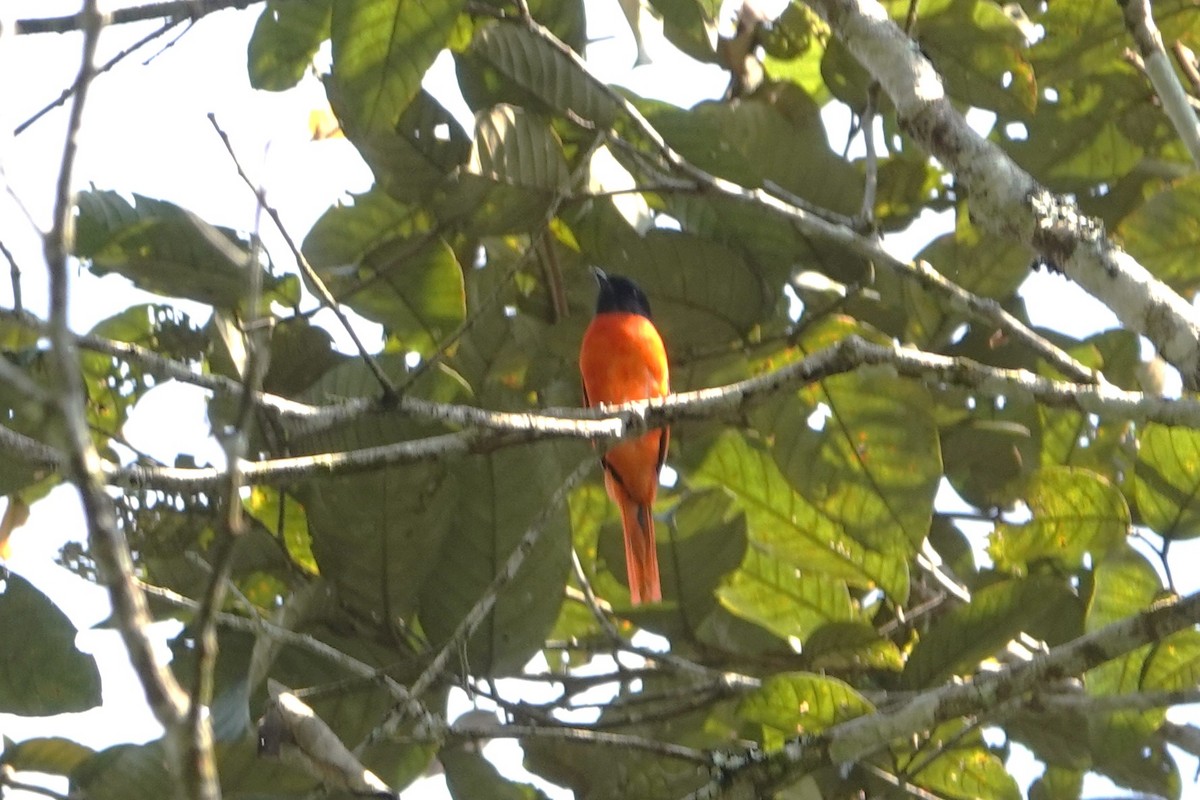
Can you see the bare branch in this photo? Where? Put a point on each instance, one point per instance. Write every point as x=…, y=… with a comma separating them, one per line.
x=489, y=430
x=856, y=739
x=582, y=736
x=15, y=273
x=8, y=781
x=483, y=606
x=112, y=62
x=1004, y=198
x=818, y=225
x=276, y=633
x=1140, y=23
x=190, y=758
x=310, y=274
x=177, y=10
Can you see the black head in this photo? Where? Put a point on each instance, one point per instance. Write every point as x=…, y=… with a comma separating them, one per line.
x=618, y=293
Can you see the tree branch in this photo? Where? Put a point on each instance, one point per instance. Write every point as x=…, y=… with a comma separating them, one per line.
x=488, y=430
x=306, y=269
x=858, y=738
x=173, y=9
x=259, y=626
x=814, y=224
x=1004, y=198
x=1140, y=23
x=196, y=777
x=478, y=613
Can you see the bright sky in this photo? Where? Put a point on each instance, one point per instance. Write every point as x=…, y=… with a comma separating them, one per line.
x=146, y=131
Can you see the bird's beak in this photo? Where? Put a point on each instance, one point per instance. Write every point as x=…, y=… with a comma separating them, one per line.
x=599, y=275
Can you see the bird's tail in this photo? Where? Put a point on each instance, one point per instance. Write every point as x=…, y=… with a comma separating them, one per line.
x=641, y=555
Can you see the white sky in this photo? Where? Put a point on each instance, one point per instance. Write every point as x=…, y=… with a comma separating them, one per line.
x=146, y=131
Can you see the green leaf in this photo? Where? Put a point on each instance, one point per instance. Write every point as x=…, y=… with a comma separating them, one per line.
x=990, y=449
x=690, y=25
x=1161, y=233
x=504, y=493
x=376, y=536
x=839, y=646
x=52, y=756
x=980, y=54
x=1075, y=513
x=381, y=50
x=168, y=250
x=418, y=156
x=968, y=773
x=526, y=67
x=379, y=257
x=1174, y=663
x=755, y=140
x=790, y=602
x=783, y=525
x=1123, y=584
x=955, y=644
x=114, y=385
x=1056, y=736
x=469, y=775
x=44, y=675
x=285, y=39
x=285, y=518
x=125, y=771
x=1168, y=480
x=1057, y=783
x=300, y=354
x=793, y=703
x=516, y=147
x=794, y=45
x=872, y=466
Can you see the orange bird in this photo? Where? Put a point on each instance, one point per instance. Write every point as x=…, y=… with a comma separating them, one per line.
x=622, y=358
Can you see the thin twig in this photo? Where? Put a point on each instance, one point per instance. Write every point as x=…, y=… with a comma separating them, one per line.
x=15, y=273
x=866, y=215
x=303, y=641
x=189, y=758
x=112, y=62
x=483, y=606
x=6, y=780
x=235, y=443
x=590, y=599
x=487, y=302
x=310, y=274
x=1188, y=66
x=585, y=736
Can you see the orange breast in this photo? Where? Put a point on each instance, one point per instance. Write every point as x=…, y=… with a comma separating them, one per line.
x=622, y=359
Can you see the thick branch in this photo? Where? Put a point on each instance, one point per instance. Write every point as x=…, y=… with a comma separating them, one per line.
x=487, y=430
x=1005, y=198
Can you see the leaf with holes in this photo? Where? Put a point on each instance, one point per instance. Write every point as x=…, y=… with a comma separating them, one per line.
x=1075, y=513
x=381, y=51
x=1167, y=488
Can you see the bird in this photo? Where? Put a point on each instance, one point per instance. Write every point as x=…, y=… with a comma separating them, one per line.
x=622, y=358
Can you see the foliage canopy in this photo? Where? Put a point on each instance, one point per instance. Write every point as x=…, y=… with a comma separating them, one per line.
x=801, y=547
